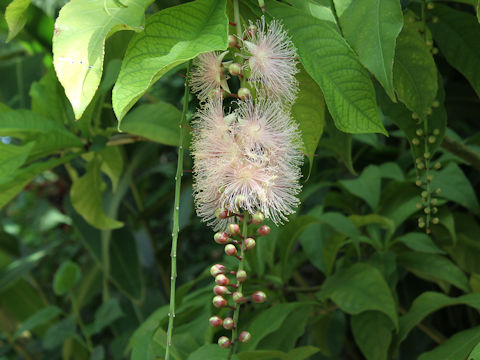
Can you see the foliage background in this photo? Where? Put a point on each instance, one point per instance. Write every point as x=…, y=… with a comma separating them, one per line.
x=86, y=215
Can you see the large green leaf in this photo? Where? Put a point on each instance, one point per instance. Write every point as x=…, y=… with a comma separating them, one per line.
x=434, y=268
x=331, y=62
x=414, y=71
x=49, y=136
x=58, y=333
x=371, y=27
x=368, y=323
x=13, y=156
x=79, y=43
x=321, y=9
x=366, y=186
x=106, y=314
x=420, y=242
x=427, y=303
x=86, y=195
x=211, y=352
x=456, y=33
x=41, y=317
x=16, y=17
x=157, y=122
x=171, y=37
x=455, y=186
x=475, y=354
x=11, y=186
x=359, y=288
x=66, y=277
x=455, y=348
x=309, y=112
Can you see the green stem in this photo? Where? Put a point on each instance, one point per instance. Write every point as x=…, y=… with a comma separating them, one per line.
x=427, y=182
x=176, y=208
x=236, y=15
x=76, y=311
x=236, y=312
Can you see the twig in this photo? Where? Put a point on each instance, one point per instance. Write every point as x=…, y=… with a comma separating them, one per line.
x=462, y=151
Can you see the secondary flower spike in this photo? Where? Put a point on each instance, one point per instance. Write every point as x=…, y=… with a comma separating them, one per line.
x=272, y=61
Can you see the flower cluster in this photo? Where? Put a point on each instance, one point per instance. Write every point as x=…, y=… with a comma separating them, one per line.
x=247, y=156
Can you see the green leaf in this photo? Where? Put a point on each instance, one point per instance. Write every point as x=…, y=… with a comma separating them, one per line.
x=98, y=353
x=309, y=113
x=58, y=333
x=49, y=136
x=16, y=17
x=368, y=323
x=157, y=122
x=398, y=201
x=79, y=43
x=13, y=156
x=434, y=267
x=427, y=303
x=359, y=288
x=11, y=186
x=66, y=277
x=262, y=355
x=41, y=317
x=86, y=196
x=330, y=61
x=419, y=242
x=456, y=187
x=211, y=352
x=302, y=353
x=475, y=354
x=366, y=186
x=171, y=37
x=456, y=33
x=455, y=348
x=267, y=322
x=371, y=27
x=106, y=314
x=112, y=164
x=414, y=71
x=320, y=9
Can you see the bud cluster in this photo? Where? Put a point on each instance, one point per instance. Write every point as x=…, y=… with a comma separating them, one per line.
x=228, y=284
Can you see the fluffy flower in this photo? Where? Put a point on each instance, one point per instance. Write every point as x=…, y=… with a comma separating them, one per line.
x=272, y=61
x=207, y=74
x=248, y=161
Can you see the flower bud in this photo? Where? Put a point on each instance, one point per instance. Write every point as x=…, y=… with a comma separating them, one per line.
x=435, y=50
x=415, y=141
x=430, y=178
x=427, y=210
x=426, y=155
x=435, y=19
x=233, y=229
x=430, y=6
x=258, y=218
x=435, y=220
x=235, y=69
x=419, y=132
x=414, y=116
x=221, y=214
x=220, y=290
x=263, y=230
x=419, y=205
x=420, y=166
x=221, y=238
x=217, y=269
x=241, y=275
x=437, y=165
x=219, y=301
x=436, y=104
x=249, y=243
x=230, y=250
x=432, y=139
x=244, y=337
x=228, y=323
x=232, y=41
x=222, y=280
x=215, y=321
x=224, y=342
x=244, y=94
x=429, y=43
x=237, y=297
x=259, y=297
x=438, y=191
x=434, y=202
x=424, y=194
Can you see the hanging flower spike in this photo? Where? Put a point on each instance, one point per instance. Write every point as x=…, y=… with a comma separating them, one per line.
x=272, y=61
x=208, y=75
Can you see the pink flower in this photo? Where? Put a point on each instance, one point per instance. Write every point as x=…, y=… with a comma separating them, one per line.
x=208, y=75
x=272, y=61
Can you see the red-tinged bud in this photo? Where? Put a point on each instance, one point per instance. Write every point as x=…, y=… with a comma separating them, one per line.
x=263, y=230
x=230, y=250
x=244, y=337
x=224, y=342
x=241, y=275
x=220, y=290
x=238, y=297
x=219, y=301
x=217, y=269
x=215, y=321
x=222, y=280
x=244, y=94
x=233, y=229
x=249, y=243
x=259, y=297
x=221, y=214
x=235, y=69
x=258, y=218
x=232, y=41
x=221, y=238
x=228, y=323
